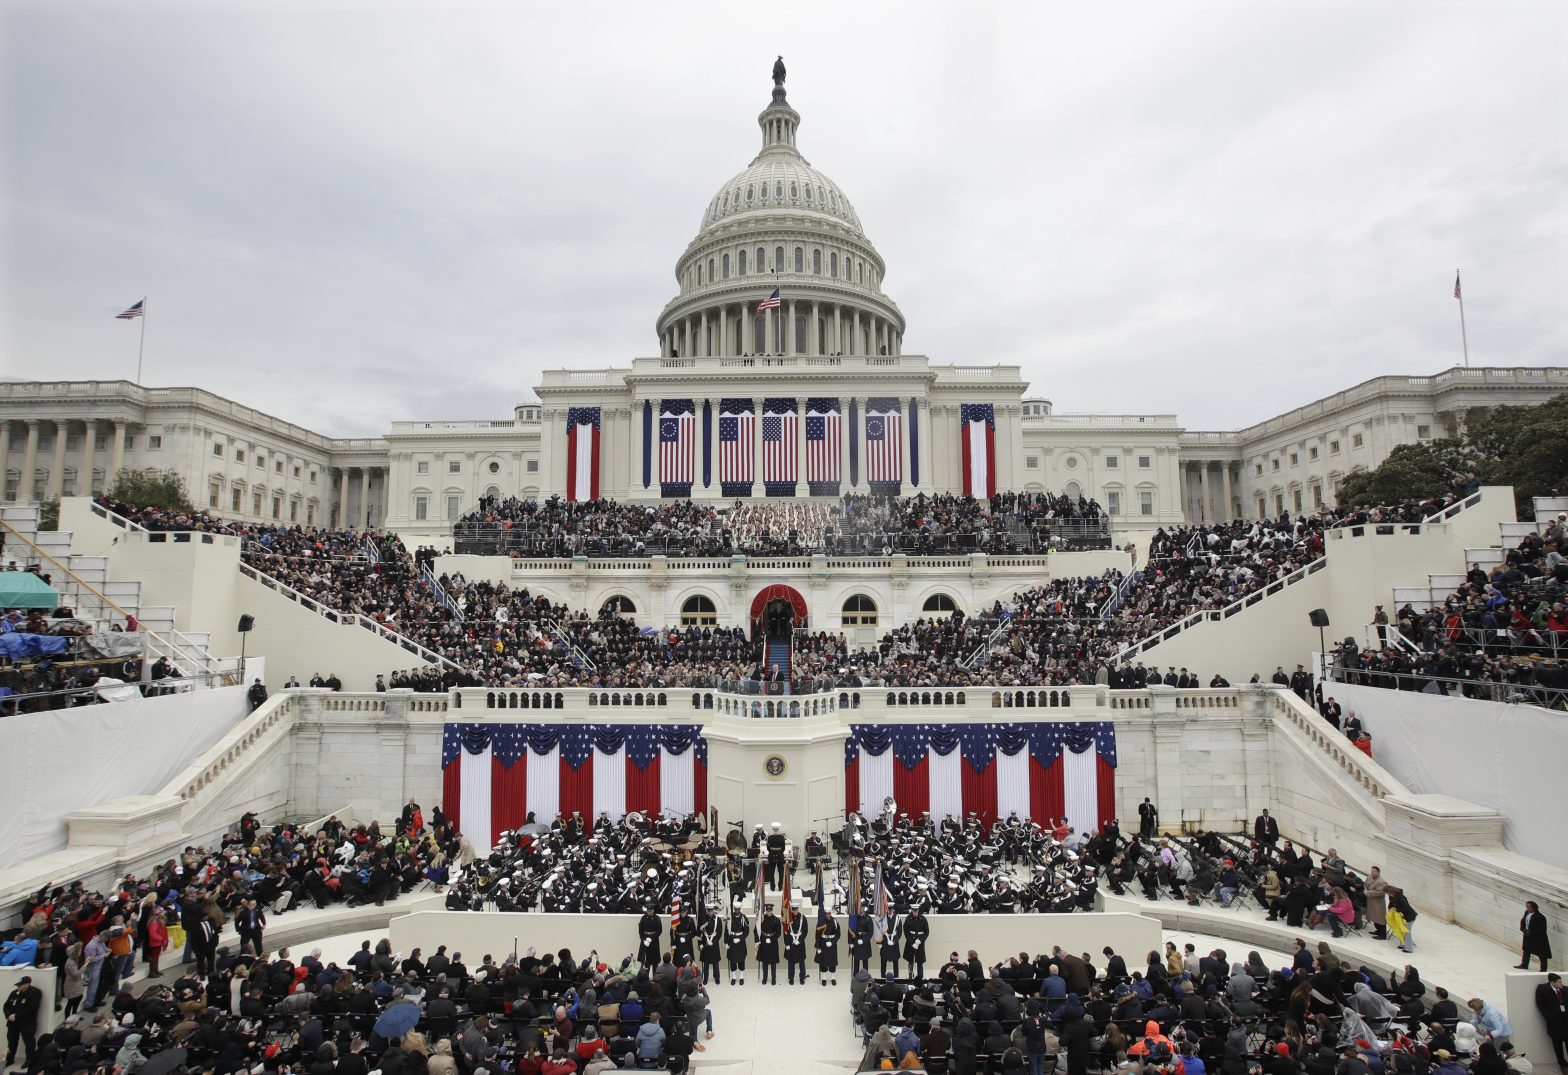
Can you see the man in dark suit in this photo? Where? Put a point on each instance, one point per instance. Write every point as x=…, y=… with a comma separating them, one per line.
x=1265, y=830
x=1551, y=1000
x=1533, y=937
x=1148, y=818
x=249, y=923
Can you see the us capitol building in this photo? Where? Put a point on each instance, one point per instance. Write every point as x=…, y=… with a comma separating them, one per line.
x=811, y=395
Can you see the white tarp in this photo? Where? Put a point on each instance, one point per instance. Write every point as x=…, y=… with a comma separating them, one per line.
x=1507, y=757
x=54, y=763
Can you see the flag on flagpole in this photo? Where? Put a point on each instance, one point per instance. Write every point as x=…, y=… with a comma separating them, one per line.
x=822, y=897
x=769, y=303
x=140, y=308
x=786, y=904
x=879, y=905
x=854, y=899
x=1456, y=289
x=762, y=888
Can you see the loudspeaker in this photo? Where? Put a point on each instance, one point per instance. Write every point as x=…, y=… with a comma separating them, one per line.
x=1319, y=617
x=248, y=621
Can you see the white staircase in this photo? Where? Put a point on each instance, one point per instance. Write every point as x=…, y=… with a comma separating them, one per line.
x=84, y=586
x=1443, y=583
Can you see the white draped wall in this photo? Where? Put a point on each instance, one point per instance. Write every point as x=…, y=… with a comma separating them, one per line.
x=946, y=777
x=1080, y=789
x=1012, y=783
x=476, y=798
x=676, y=789
x=609, y=783
x=876, y=781
x=544, y=786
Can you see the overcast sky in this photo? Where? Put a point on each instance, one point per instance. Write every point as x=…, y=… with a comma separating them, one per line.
x=350, y=214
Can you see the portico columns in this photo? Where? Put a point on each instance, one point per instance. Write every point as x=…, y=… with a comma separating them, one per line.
x=813, y=339
x=706, y=346
x=1226, y=514
x=24, y=484
x=793, y=344
x=343, y=519
x=5, y=455
x=838, y=326
x=84, y=484
x=856, y=346
x=57, y=464
x=363, y=511
x=767, y=331
x=116, y=455
x=756, y=445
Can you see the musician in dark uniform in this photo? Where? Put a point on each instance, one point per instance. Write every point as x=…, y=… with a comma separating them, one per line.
x=649, y=932
x=768, y=932
x=737, y=937
x=709, y=941
x=916, y=930
x=892, y=931
x=776, y=842
x=795, y=948
x=827, y=949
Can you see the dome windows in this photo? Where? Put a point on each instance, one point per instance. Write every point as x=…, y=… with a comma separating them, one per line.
x=808, y=192
x=748, y=195
x=764, y=192
x=794, y=190
x=727, y=266
x=833, y=263
x=816, y=262
x=740, y=262
x=711, y=277
x=778, y=189
x=762, y=260
x=778, y=259
x=800, y=260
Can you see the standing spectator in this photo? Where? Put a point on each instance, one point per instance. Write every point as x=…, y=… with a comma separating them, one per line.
x=1534, y=939
x=1551, y=1000
x=256, y=695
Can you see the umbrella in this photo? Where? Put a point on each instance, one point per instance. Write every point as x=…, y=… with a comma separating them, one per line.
x=162, y=1063
x=399, y=1018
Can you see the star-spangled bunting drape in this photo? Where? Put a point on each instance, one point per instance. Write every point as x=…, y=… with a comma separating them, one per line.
x=677, y=447
x=884, y=446
x=1043, y=771
x=494, y=775
x=582, y=453
x=977, y=445
x=737, y=447
x=780, y=447
x=824, y=442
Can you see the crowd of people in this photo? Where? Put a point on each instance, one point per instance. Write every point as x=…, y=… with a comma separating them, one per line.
x=1502, y=635
x=854, y=525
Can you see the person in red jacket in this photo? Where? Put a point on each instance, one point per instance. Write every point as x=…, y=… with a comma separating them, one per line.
x=157, y=940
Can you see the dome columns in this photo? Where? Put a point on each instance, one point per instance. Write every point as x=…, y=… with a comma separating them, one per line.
x=809, y=326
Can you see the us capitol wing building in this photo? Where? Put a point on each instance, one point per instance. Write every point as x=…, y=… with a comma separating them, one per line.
x=809, y=395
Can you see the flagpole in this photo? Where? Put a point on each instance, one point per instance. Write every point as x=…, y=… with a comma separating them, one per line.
x=142, y=343
x=1463, y=336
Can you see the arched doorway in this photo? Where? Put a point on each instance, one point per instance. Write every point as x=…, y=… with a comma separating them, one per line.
x=775, y=614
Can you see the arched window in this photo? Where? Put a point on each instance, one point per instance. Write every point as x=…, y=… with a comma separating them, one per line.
x=748, y=194
x=778, y=189
x=860, y=272
x=759, y=336
x=859, y=611
x=800, y=259
x=740, y=262
x=794, y=190
x=778, y=259
x=764, y=192
x=726, y=266
x=762, y=260
x=816, y=262
x=699, y=611
x=1073, y=491
x=619, y=605
x=800, y=334
x=939, y=602
x=833, y=263
x=711, y=277
x=699, y=274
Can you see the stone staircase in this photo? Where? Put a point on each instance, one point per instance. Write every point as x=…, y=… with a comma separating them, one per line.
x=84, y=586
x=1441, y=584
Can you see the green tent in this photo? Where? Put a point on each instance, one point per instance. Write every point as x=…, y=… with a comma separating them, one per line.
x=23, y=589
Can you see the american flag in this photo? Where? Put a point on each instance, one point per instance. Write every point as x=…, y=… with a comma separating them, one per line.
x=780, y=443
x=880, y=908
x=824, y=440
x=787, y=905
x=139, y=309
x=737, y=441
x=884, y=430
x=1456, y=289
x=769, y=303
x=677, y=442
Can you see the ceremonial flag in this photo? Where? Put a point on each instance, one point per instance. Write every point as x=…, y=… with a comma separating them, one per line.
x=978, y=448
x=822, y=897
x=762, y=886
x=494, y=775
x=787, y=904
x=1042, y=771
x=880, y=905
x=737, y=447
x=677, y=447
x=824, y=446
x=780, y=446
x=854, y=898
x=582, y=453
x=1456, y=290
x=769, y=303
x=884, y=457
x=140, y=308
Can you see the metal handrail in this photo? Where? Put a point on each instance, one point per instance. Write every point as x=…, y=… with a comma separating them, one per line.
x=433, y=584
x=1554, y=698
x=171, y=648
x=1164, y=634
x=327, y=612
x=984, y=649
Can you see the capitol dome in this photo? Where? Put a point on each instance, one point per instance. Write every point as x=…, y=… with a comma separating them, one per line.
x=780, y=223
